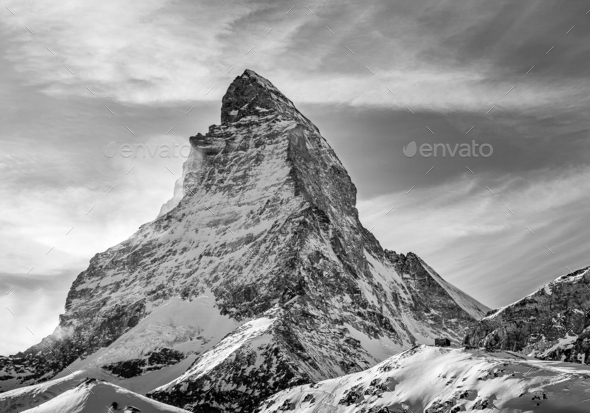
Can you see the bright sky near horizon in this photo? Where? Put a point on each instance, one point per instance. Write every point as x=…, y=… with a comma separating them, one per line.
x=78, y=75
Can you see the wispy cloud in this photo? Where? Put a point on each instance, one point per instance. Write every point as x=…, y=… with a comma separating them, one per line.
x=433, y=55
x=133, y=51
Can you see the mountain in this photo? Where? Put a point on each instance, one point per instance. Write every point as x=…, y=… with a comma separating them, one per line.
x=443, y=380
x=256, y=276
x=552, y=323
x=92, y=396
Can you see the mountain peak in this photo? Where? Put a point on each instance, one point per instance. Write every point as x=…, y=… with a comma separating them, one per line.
x=252, y=95
x=260, y=277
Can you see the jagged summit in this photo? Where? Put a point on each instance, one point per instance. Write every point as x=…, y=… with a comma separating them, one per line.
x=252, y=95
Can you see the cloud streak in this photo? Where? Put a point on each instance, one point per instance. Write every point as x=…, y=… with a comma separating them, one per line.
x=433, y=55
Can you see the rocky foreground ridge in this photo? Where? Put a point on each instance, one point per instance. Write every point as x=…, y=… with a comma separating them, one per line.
x=257, y=276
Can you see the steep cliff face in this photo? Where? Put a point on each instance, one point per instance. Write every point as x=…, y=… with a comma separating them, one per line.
x=552, y=323
x=272, y=277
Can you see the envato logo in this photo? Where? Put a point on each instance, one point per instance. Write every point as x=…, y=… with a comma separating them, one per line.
x=463, y=150
x=128, y=150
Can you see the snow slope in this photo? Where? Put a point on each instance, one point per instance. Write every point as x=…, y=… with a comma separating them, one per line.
x=94, y=396
x=190, y=327
x=31, y=396
x=442, y=380
x=224, y=349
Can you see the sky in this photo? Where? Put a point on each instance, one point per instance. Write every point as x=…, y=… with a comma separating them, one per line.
x=80, y=78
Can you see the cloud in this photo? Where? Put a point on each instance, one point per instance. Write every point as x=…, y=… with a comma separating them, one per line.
x=133, y=51
x=432, y=55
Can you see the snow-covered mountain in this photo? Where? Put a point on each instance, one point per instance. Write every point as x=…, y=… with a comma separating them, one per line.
x=552, y=323
x=444, y=380
x=257, y=274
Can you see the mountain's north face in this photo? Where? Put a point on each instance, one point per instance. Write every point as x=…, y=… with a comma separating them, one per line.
x=257, y=276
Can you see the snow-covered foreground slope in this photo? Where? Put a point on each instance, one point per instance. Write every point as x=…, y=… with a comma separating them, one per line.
x=29, y=397
x=444, y=380
x=94, y=396
x=552, y=323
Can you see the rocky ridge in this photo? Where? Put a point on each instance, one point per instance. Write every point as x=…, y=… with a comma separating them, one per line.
x=552, y=323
